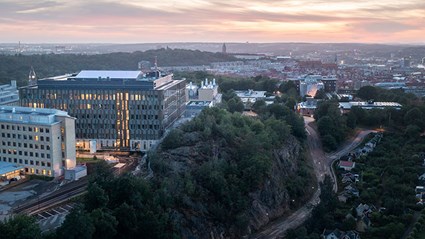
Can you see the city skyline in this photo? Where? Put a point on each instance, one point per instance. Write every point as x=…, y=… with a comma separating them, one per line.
x=131, y=21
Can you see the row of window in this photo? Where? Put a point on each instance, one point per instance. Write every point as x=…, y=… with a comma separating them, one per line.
x=88, y=95
x=25, y=137
x=26, y=145
x=25, y=128
x=25, y=153
x=28, y=162
x=37, y=171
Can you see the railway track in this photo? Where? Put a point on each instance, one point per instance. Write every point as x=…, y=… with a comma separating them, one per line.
x=67, y=192
x=62, y=195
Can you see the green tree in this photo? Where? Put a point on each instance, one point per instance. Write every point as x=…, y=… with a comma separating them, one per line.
x=104, y=223
x=235, y=105
x=127, y=221
x=414, y=117
x=95, y=197
x=285, y=87
x=173, y=140
x=367, y=93
x=20, y=227
x=77, y=225
x=413, y=131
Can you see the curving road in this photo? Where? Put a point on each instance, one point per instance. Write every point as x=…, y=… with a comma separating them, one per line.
x=322, y=166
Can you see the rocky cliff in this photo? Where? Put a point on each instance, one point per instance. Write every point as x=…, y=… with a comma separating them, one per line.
x=197, y=216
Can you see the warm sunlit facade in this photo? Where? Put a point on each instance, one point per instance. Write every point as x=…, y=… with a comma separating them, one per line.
x=120, y=110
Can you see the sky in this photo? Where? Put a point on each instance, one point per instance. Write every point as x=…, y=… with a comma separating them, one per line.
x=151, y=21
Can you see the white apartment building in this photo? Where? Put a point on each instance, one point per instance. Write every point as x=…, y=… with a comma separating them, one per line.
x=42, y=141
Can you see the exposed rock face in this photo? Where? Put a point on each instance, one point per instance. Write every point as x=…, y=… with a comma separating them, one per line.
x=193, y=218
x=272, y=200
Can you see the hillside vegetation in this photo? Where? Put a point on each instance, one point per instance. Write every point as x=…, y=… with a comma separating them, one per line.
x=17, y=67
x=221, y=174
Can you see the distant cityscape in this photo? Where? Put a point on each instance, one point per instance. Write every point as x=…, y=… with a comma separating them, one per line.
x=51, y=126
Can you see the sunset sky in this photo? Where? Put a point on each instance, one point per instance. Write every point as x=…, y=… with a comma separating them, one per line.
x=140, y=21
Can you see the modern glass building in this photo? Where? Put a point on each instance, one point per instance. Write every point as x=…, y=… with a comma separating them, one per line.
x=115, y=110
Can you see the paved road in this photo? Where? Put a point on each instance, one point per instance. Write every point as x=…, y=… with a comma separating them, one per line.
x=322, y=166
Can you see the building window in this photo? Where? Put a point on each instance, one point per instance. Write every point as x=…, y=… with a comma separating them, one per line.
x=31, y=162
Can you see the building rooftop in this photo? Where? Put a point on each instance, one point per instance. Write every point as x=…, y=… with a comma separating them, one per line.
x=250, y=94
x=94, y=74
x=343, y=163
x=30, y=115
x=8, y=167
x=199, y=103
x=369, y=105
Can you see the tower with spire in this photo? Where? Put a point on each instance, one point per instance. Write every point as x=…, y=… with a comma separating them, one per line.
x=223, y=49
x=32, y=77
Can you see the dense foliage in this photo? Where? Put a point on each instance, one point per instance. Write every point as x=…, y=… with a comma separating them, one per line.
x=334, y=126
x=389, y=175
x=17, y=67
x=234, y=157
x=331, y=125
x=20, y=227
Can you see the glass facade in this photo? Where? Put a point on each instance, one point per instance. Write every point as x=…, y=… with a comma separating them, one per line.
x=118, y=116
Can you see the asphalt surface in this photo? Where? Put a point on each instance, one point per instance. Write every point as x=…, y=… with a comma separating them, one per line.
x=322, y=166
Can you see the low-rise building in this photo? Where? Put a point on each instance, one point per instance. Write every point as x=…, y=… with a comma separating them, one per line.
x=193, y=108
x=346, y=106
x=249, y=97
x=199, y=98
x=346, y=165
x=42, y=141
x=307, y=107
x=9, y=94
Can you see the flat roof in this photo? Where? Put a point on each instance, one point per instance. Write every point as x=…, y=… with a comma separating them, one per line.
x=363, y=104
x=8, y=167
x=250, y=94
x=119, y=165
x=198, y=103
x=343, y=163
x=30, y=115
x=94, y=74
